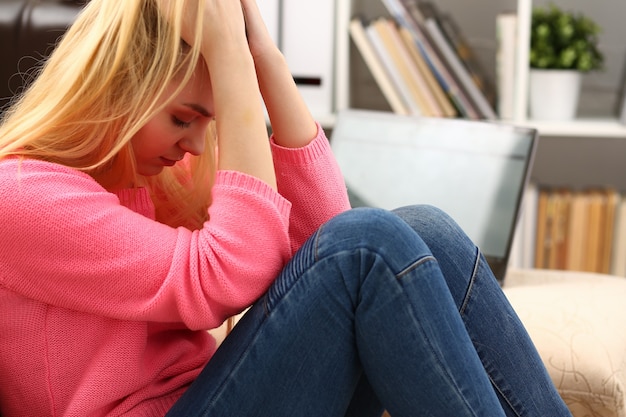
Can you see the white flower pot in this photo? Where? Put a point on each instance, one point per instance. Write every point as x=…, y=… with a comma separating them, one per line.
x=554, y=94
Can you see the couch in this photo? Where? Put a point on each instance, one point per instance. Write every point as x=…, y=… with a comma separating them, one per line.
x=29, y=30
x=577, y=321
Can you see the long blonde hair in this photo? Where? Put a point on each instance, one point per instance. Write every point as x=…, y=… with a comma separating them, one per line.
x=99, y=87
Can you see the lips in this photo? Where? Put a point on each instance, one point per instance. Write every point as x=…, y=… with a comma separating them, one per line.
x=168, y=162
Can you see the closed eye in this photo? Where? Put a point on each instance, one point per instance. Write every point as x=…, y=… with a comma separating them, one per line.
x=180, y=123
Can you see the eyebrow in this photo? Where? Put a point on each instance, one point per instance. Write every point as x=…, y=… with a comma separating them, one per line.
x=198, y=109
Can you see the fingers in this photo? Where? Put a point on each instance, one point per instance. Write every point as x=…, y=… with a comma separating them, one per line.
x=259, y=37
x=183, y=16
x=221, y=20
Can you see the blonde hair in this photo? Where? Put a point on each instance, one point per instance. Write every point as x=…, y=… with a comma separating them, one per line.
x=99, y=87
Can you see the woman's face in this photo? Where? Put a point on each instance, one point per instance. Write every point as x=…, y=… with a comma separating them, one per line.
x=178, y=129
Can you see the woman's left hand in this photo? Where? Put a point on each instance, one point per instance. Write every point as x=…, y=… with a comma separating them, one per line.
x=259, y=39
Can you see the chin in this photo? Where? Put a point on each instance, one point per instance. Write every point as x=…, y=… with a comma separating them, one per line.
x=148, y=171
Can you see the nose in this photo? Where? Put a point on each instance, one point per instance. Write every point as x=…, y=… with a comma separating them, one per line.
x=193, y=143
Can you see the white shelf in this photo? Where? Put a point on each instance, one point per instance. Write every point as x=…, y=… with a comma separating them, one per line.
x=606, y=128
x=327, y=121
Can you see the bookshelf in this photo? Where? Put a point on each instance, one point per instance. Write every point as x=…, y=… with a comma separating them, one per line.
x=574, y=155
x=604, y=126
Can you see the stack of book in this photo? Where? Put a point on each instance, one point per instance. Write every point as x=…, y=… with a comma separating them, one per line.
x=422, y=64
x=581, y=230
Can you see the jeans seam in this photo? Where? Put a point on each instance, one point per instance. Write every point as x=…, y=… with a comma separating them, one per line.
x=316, y=245
x=504, y=397
x=466, y=300
x=414, y=265
x=470, y=285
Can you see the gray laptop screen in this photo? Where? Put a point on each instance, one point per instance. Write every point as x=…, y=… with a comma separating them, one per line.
x=475, y=171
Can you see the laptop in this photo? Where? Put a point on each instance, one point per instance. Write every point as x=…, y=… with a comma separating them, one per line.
x=476, y=171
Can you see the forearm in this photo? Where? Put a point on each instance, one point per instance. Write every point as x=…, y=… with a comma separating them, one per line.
x=242, y=134
x=241, y=131
x=292, y=123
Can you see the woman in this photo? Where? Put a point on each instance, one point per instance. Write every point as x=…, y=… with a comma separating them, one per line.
x=126, y=237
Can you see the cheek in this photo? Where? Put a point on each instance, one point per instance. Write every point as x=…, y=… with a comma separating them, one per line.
x=152, y=140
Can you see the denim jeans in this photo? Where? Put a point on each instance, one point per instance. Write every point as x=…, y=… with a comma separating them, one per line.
x=378, y=310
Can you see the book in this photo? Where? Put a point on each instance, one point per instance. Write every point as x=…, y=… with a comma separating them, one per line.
x=543, y=228
x=622, y=113
x=401, y=12
x=415, y=83
x=561, y=200
x=382, y=79
x=594, y=231
x=531, y=197
x=386, y=58
x=577, y=232
x=440, y=96
x=506, y=40
x=459, y=70
x=463, y=49
x=620, y=104
x=612, y=203
x=618, y=250
x=310, y=58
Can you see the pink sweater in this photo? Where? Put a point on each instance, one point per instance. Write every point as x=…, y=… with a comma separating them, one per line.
x=103, y=310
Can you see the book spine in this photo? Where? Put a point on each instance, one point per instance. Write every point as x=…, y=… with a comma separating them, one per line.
x=387, y=60
x=415, y=80
x=622, y=115
x=440, y=96
x=459, y=70
x=401, y=65
x=360, y=39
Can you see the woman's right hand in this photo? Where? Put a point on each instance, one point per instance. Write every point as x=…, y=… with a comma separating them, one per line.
x=223, y=21
x=187, y=20
x=224, y=30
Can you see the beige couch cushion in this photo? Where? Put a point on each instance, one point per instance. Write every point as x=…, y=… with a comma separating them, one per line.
x=578, y=323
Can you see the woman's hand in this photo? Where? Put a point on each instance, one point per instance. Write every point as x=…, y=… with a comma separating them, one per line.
x=185, y=16
x=259, y=38
x=223, y=20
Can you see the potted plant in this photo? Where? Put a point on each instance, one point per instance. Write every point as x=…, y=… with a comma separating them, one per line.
x=563, y=45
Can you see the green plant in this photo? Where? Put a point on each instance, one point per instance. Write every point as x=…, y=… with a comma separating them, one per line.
x=563, y=40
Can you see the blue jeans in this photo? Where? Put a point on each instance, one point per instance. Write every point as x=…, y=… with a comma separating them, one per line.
x=378, y=310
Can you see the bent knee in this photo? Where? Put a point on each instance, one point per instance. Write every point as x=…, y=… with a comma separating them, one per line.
x=425, y=214
x=432, y=223
x=375, y=229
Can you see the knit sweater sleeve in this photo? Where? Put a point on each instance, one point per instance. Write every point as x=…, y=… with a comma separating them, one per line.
x=69, y=243
x=311, y=180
